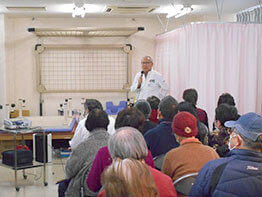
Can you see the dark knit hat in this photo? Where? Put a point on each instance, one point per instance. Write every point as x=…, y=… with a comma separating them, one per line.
x=185, y=124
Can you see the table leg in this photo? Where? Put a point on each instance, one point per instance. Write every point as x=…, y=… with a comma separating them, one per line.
x=15, y=161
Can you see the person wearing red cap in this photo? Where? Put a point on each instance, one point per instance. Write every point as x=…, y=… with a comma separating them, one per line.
x=191, y=155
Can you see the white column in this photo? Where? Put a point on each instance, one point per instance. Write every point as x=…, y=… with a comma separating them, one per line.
x=2, y=68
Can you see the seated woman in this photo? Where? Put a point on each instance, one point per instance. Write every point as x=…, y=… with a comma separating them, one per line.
x=128, y=142
x=218, y=139
x=203, y=131
x=154, y=102
x=191, y=96
x=145, y=108
x=128, y=177
x=81, y=158
x=131, y=117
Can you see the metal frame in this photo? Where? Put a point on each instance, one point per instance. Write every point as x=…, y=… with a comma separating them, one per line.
x=86, y=31
x=127, y=48
x=16, y=168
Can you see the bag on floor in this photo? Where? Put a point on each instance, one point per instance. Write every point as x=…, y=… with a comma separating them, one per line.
x=24, y=158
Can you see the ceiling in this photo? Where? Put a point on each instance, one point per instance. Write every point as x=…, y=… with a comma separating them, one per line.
x=94, y=8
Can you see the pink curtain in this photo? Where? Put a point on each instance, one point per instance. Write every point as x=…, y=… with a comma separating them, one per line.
x=213, y=58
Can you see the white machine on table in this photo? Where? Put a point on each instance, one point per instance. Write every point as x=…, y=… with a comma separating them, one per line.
x=20, y=123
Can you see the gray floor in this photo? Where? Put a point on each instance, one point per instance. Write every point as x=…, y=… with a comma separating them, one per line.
x=32, y=186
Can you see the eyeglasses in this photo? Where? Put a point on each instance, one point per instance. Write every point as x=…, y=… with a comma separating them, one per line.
x=146, y=62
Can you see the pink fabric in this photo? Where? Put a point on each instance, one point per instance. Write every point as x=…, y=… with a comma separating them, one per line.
x=102, y=160
x=213, y=59
x=163, y=183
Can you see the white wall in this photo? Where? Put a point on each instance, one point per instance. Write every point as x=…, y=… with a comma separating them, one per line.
x=20, y=56
x=2, y=67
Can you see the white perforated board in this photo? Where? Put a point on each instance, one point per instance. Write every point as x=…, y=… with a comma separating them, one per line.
x=78, y=69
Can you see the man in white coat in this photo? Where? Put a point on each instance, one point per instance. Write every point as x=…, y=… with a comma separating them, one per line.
x=149, y=82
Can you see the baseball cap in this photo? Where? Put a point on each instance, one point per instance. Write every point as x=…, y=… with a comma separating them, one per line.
x=249, y=125
x=185, y=124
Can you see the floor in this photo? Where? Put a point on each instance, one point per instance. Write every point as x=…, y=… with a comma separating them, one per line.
x=32, y=186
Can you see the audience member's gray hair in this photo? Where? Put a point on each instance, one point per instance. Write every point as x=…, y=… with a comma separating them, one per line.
x=127, y=142
x=144, y=107
x=167, y=107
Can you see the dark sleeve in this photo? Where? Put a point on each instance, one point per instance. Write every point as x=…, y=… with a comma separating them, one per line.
x=206, y=122
x=201, y=185
x=148, y=140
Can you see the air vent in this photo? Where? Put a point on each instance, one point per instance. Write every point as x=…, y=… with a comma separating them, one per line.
x=129, y=10
x=26, y=9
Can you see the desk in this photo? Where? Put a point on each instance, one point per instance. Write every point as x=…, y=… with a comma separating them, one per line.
x=56, y=125
x=51, y=124
x=22, y=132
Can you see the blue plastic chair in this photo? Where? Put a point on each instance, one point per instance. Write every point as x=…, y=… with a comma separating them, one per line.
x=111, y=109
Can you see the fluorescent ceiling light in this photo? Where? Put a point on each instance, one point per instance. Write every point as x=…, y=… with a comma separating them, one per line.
x=184, y=11
x=91, y=8
x=170, y=9
x=68, y=8
x=79, y=11
x=179, y=12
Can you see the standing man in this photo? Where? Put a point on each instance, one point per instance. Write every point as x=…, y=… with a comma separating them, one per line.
x=148, y=82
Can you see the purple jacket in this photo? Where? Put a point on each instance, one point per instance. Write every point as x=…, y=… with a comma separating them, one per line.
x=102, y=160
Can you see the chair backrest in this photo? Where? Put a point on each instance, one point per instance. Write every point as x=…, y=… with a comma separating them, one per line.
x=184, y=184
x=111, y=109
x=158, y=161
x=109, y=104
x=122, y=104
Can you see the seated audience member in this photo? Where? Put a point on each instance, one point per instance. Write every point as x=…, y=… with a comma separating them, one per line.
x=81, y=133
x=160, y=139
x=130, y=117
x=128, y=142
x=240, y=172
x=191, y=96
x=218, y=139
x=128, y=177
x=145, y=108
x=81, y=158
x=154, y=102
x=191, y=155
x=225, y=98
x=203, y=132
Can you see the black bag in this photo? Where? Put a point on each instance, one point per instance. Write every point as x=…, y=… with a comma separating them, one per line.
x=24, y=158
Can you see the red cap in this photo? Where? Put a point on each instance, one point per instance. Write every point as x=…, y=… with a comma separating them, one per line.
x=185, y=124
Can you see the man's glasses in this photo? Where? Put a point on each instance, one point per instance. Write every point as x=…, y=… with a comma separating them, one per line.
x=146, y=62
